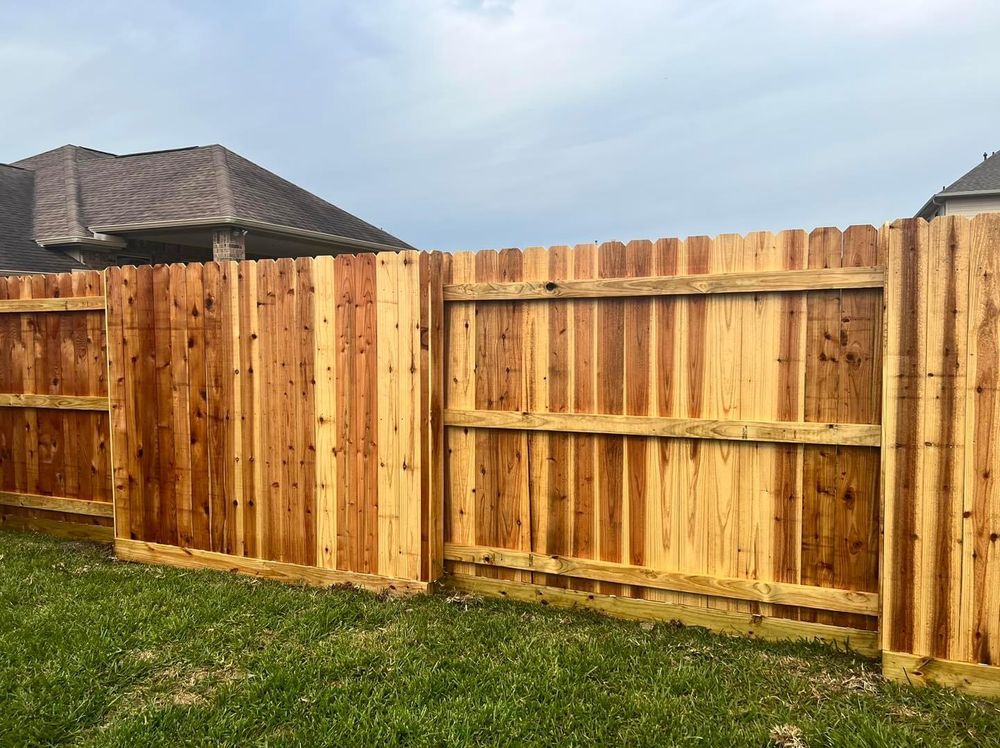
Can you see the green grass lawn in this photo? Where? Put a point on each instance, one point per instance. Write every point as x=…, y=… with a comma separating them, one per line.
x=98, y=652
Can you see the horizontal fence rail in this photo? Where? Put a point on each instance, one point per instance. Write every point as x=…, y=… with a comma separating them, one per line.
x=57, y=504
x=737, y=622
x=717, y=283
x=854, y=434
x=64, y=304
x=56, y=402
x=823, y=598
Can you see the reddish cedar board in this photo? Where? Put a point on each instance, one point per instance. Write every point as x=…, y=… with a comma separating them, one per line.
x=48, y=451
x=231, y=371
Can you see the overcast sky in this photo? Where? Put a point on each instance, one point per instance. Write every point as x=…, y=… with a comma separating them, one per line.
x=494, y=123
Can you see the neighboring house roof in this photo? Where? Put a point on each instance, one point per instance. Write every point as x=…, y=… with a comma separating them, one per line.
x=81, y=194
x=983, y=179
x=18, y=251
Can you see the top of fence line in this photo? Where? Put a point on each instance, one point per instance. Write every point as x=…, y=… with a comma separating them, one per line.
x=706, y=239
x=697, y=242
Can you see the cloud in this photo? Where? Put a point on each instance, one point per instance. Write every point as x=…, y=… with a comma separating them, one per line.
x=477, y=123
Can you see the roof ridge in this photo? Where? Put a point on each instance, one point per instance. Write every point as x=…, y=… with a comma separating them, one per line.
x=223, y=185
x=73, y=199
x=162, y=150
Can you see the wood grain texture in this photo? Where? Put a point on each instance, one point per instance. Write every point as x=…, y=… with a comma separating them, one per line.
x=250, y=397
x=708, y=283
x=917, y=670
x=864, y=435
x=725, y=376
x=980, y=607
x=57, y=504
x=824, y=598
x=192, y=558
x=904, y=406
x=71, y=303
x=55, y=403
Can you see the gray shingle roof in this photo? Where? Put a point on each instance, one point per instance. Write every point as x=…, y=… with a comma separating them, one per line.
x=76, y=188
x=984, y=177
x=18, y=251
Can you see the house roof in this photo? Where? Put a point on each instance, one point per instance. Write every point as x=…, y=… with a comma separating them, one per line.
x=984, y=177
x=77, y=189
x=18, y=251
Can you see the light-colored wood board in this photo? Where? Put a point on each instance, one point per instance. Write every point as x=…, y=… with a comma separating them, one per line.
x=460, y=392
x=324, y=324
x=192, y=558
x=55, y=402
x=980, y=609
x=709, y=283
x=389, y=372
x=937, y=629
x=917, y=670
x=410, y=413
x=861, y=435
x=68, y=304
x=57, y=504
x=726, y=622
x=823, y=598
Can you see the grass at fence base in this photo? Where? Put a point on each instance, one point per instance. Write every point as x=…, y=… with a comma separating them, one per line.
x=100, y=652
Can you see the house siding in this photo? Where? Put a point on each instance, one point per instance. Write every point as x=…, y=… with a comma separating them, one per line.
x=969, y=206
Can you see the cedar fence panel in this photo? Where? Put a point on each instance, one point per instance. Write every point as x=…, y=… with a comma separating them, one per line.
x=277, y=411
x=54, y=461
x=766, y=487
x=941, y=616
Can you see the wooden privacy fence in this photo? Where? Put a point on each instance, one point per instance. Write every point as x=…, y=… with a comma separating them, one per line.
x=279, y=417
x=690, y=426
x=789, y=434
x=54, y=463
x=941, y=456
